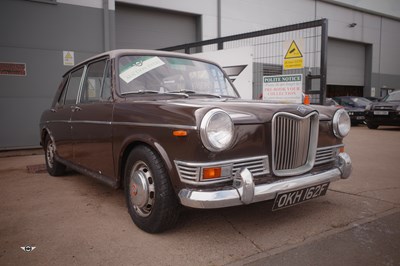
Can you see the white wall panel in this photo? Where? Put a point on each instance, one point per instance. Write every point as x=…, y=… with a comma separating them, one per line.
x=390, y=56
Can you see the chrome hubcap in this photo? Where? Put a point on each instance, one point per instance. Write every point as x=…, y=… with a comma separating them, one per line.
x=50, y=154
x=141, y=189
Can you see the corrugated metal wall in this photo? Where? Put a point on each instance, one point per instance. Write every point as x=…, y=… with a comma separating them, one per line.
x=36, y=34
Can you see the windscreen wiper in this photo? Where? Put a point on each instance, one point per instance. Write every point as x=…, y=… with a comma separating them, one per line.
x=190, y=92
x=141, y=92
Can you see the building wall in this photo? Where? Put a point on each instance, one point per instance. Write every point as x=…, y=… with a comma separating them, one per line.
x=170, y=28
x=206, y=9
x=377, y=26
x=381, y=33
x=36, y=33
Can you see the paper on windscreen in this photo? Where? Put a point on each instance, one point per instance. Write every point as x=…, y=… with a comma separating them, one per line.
x=136, y=70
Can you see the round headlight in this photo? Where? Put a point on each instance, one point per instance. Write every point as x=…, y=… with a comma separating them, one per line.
x=341, y=123
x=216, y=130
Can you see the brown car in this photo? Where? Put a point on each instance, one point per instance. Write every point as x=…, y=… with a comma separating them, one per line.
x=171, y=130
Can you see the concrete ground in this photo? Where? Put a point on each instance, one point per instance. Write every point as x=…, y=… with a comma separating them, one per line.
x=75, y=220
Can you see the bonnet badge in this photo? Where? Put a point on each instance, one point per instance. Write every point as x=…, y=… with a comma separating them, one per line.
x=301, y=109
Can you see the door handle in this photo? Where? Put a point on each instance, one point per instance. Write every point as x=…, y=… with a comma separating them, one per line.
x=75, y=108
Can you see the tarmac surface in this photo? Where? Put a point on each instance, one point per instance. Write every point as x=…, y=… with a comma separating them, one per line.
x=75, y=220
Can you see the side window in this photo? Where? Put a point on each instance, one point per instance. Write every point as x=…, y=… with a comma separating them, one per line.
x=96, y=86
x=62, y=89
x=73, y=86
x=106, y=91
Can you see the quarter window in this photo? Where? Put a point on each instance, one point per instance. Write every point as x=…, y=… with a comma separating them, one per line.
x=63, y=89
x=106, y=90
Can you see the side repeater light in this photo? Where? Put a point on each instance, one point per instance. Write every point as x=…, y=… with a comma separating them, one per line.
x=179, y=133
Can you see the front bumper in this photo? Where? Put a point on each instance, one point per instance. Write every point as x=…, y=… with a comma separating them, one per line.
x=244, y=191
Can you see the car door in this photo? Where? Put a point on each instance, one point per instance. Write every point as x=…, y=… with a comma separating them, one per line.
x=61, y=126
x=91, y=120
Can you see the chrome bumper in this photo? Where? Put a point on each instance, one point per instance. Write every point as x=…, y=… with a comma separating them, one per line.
x=244, y=191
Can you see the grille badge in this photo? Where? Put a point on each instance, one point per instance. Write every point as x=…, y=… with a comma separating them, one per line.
x=301, y=109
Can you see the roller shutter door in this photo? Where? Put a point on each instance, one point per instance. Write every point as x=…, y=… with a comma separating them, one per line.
x=148, y=28
x=346, y=63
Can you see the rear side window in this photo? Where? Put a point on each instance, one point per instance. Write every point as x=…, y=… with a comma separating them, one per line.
x=73, y=86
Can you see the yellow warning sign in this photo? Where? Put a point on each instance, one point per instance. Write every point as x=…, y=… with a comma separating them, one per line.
x=293, y=51
x=293, y=56
x=68, y=58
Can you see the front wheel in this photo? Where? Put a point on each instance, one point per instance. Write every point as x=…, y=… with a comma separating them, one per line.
x=54, y=168
x=152, y=203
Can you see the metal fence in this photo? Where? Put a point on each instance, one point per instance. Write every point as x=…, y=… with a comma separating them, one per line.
x=268, y=53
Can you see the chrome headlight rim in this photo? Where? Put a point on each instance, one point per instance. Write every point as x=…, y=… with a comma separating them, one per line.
x=340, y=130
x=204, y=125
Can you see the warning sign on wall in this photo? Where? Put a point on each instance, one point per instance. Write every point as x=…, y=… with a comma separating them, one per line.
x=68, y=58
x=293, y=58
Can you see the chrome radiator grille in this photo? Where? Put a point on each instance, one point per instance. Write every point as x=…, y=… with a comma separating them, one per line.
x=294, y=143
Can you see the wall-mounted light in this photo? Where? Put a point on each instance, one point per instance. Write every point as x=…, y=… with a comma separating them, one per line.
x=352, y=25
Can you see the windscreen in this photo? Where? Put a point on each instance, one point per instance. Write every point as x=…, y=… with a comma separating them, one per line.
x=360, y=102
x=156, y=74
x=393, y=97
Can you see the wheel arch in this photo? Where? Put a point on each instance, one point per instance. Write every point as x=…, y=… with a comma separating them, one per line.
x=43, y=134
x=132, y=144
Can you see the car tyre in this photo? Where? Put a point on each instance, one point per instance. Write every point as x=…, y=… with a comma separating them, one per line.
x=372, y=126
x=54, y=167
x=151, y=200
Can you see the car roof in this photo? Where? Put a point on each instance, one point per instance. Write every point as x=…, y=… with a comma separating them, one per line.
x=350, y=97
x=121, y=52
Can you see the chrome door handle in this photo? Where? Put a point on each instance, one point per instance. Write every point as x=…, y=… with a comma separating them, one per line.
x=75, y=108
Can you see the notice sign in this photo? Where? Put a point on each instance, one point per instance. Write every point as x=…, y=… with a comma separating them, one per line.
x=283, y=88
x=68, y=58
x=12, y=69
x=293, y=58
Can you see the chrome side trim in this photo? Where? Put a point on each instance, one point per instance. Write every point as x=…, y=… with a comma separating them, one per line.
x=154, y=125
x=91, y=122
x=105, y=179
x=56, y=121
x=244, y=191
x=122, y=124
